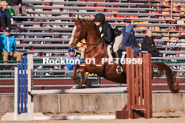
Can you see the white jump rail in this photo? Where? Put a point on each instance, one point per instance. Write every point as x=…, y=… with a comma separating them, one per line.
x=81, y=91
x=90, y=117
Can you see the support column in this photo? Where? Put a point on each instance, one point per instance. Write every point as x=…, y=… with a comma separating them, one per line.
x=15, y=94
x=30, y=68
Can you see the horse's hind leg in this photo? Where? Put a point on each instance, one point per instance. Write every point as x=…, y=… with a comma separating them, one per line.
x=84, y=81
x=76, y=80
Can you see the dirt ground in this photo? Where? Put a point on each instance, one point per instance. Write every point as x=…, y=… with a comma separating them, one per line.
x=162, y=117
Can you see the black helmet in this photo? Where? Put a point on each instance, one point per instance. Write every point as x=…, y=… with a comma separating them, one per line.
x=99, y=17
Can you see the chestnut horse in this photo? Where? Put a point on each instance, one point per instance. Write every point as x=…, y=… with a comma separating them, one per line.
x=97, y=50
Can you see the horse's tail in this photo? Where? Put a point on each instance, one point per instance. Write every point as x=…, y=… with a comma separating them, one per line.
x=169, y=76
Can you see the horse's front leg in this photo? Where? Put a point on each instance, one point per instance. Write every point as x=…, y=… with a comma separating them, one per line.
x=84, y=81
x=76, y=80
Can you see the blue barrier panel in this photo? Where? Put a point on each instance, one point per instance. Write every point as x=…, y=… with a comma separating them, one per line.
x=18, y=84
x=21, y=86
x=25, y=86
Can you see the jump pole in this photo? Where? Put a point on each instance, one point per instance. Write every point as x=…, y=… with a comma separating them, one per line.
x=90, y=117
x=81, y=91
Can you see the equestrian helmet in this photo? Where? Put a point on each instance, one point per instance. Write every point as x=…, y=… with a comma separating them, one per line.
x=99, y=17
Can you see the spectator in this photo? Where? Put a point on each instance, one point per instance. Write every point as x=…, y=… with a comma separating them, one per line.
x=5, y=18
x=17, y=7
x=69, y=67
x=127, y=38
x=130, y=37
x=128, y=22
x=8, y=46
x=148, y=44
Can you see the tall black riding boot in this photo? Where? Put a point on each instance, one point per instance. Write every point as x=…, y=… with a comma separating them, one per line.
x=119, y=68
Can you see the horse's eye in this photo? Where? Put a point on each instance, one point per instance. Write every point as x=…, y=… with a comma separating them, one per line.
x=78, y=30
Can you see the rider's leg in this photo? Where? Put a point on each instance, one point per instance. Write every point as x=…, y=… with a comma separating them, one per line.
x=117, y=43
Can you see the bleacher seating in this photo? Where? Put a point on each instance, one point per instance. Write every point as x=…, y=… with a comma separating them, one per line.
x=46, y=30
x=56, y=30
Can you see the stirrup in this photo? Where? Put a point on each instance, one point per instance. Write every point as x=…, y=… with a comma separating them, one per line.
x=119, y=69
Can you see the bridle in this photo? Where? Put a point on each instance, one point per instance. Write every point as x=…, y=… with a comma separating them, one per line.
x=78, y=38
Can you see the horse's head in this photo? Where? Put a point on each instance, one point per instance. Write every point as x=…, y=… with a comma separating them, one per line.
x=78, y=32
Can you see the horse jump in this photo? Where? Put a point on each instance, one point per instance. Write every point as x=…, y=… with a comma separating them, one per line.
x=128, y=112
x=139, y=95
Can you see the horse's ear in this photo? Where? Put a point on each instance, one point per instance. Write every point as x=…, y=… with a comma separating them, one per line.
x=74, y=20
x=78, y=19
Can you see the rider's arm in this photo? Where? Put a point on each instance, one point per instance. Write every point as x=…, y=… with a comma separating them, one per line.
x=108, y=37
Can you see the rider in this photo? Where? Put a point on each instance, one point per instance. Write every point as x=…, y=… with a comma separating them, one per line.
x=108, y=34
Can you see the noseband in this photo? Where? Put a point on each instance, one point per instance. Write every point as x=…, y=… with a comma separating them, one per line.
x=78, y=38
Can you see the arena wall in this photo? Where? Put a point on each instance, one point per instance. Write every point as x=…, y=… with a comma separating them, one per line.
x=93, y=102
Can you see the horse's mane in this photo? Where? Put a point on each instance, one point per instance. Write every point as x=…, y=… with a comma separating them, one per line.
x=87, y=21
x=90, y=23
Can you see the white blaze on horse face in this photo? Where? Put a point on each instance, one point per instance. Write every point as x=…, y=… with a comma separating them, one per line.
x=71, y=39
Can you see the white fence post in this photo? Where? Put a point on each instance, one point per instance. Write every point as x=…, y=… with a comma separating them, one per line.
x=15, y=93
x=30, y=67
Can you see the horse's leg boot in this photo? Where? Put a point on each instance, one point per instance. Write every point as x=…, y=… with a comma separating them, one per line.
x=119, y=68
